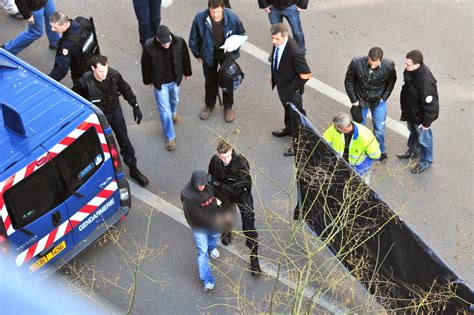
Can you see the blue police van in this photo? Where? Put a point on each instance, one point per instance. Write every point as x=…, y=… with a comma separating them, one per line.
x=61, y=179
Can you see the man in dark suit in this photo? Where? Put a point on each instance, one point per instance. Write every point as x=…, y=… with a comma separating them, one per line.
x=290, y=71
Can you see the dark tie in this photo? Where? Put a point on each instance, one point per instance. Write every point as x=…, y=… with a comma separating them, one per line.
x=275, y=62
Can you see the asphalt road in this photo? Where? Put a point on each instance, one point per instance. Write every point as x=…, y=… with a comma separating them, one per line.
x=437, y=203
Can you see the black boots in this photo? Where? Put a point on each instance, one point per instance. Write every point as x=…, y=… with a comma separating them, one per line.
x=226, y=238
x=254, y=265
x=138, y=176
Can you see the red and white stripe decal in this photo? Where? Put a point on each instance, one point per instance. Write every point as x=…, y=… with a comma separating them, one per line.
x=67, y=225
x=92, y=120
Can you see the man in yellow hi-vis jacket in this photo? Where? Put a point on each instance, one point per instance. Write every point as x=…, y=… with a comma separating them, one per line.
x=354, y=142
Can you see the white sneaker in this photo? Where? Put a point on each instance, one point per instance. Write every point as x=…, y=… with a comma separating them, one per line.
x=215, y=253
x=208, y=286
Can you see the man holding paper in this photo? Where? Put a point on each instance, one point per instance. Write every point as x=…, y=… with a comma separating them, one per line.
x=209, y=32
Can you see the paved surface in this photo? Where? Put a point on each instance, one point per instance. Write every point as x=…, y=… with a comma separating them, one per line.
x=437, y=204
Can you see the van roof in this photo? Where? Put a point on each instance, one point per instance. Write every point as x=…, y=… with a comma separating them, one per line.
x=45, y=107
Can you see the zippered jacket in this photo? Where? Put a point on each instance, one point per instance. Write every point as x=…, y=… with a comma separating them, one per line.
x=362, y=150
x=369, y=86
x=201, y=41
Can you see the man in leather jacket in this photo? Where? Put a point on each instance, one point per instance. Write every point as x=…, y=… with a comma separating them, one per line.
x=369, y=82
x=229, y=174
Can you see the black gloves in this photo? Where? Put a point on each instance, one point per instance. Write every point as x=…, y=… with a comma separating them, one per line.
x=213, y=181
x=137, y=114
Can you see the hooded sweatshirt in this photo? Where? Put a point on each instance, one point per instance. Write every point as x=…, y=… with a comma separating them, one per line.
x=201, y=209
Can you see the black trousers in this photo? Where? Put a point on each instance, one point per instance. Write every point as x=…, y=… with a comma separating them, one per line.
x=291, y=118
x=211, y=87
x=117, y=122
x=245, y=204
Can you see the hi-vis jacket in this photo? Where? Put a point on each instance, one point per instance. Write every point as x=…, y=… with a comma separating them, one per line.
x=362, y=150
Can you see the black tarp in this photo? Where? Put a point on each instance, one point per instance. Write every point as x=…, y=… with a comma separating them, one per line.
x=380, y=250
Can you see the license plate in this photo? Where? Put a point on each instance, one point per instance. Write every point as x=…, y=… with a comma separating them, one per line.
x=50, y=255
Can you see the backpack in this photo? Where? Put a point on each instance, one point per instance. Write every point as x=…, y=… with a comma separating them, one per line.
x=87, y=39
x=230, y=75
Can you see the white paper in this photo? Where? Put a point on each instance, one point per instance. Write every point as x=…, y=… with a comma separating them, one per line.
x=234, y=42
x=166, y=3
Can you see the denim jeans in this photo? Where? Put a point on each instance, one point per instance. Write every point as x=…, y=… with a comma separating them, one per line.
x=292, y=15
x=148, y=14
x=421, y=142
x=35, y=30
x=205, y=243
x=167, y=102
x=379, y=116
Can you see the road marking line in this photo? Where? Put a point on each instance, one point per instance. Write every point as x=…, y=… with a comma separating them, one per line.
x=270, y=269
x=325, y=89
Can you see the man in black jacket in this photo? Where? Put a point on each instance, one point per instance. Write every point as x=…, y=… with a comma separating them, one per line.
x=36, y=13
x=103, y=86
x=290, y=72
x=229, y=173
x=289, y=9
x=165, y=59
x=369, y=82
x=420, y=108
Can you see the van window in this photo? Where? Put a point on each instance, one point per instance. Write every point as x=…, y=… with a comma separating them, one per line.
x=79, y=161
x=51, y=184
x=33, y=196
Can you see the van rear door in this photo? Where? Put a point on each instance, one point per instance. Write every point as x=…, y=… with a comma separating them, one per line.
x=34, y=213
x=85, y=167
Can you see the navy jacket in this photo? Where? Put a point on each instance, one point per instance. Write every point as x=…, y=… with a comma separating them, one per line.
x=69, y=55
x=201, y=41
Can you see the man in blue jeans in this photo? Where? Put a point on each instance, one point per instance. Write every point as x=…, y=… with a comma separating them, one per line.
x=420, y=108
x=165, y=60
x=369, y=82
x=37, y=13
x=200, y=209
x=289, y=9
x=148, y=14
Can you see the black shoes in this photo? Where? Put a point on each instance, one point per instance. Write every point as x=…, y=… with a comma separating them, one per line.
x=282, y=132
x=383, y=158
x=226, y=238
x=407, y=155
x=138, y=176
x=289, y=152
x=254, y=266
x=17, y=16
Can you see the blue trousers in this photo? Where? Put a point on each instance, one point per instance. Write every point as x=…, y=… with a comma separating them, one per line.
x=117, y=122
x=167, y=100
x=148, y=14
x=292, y=15
x=205, y=243
x=35, y=30
x=421, y=142
x=379, y=116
